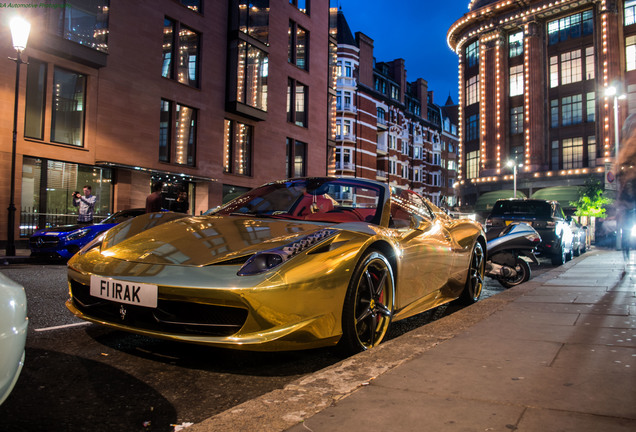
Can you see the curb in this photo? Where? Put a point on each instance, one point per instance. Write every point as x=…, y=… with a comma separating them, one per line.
x=299, y=400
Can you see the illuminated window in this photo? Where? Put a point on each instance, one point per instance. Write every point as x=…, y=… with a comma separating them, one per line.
x=345, y=69
x=572, y=153
x=472, y=54
x=554, y=71
x=472, y=164
x=177, y=133
x=186, y=44
x=472, y=90
x=515, y=44
x=186, y=130
x=571, y=70
x=344, y=158
x=591, y=151
x=630, y=52
x=253, y=19
x=297, y=103
x=395, y=92
x=590, y=108
x=516, y=120
x=298, y=47
x=589, y=63
x=252, y=75
x=237, y=147
x=630, y=12
x=296, y=158
x=344, y=129
x=571, y=110
x=516, y=80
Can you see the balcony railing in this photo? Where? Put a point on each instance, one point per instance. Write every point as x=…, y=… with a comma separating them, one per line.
x=345, y=166
x=347, y=107
x=346, y=137
x=31, y=221
x=346, y=82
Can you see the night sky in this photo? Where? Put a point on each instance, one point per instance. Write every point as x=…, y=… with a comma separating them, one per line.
x=414, y=30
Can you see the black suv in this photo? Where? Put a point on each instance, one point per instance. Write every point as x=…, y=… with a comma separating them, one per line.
x=546, y=217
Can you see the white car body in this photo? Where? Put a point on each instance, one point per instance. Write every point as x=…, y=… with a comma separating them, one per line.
x=13, y=331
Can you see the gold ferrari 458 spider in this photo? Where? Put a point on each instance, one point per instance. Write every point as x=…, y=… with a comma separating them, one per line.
x=293, y=264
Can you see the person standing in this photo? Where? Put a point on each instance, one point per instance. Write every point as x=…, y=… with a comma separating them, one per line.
x=86, y=204
x=181, y=204
x=154, y=201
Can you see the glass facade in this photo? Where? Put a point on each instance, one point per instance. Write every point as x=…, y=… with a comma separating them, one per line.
x=47, y=188
x=69, y=98
x=253, y=70
x=237, y=147
x=83, y=22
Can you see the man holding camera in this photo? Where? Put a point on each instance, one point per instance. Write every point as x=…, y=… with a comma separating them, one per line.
x=86, y=204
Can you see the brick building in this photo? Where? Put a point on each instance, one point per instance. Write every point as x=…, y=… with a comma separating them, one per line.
x=215, y=97
x=532, y=81
x=389, y=129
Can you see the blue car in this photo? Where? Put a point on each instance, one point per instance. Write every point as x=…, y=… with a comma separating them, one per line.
x=63, y=242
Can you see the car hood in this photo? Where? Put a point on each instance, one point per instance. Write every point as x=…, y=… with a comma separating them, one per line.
x=206, y=240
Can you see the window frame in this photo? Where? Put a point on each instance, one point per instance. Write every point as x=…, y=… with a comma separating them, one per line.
x=294, y=49
x=231, y=165
x=292, y=103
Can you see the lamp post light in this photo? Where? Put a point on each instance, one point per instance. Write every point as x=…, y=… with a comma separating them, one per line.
x=20, y=29
x=513, y=164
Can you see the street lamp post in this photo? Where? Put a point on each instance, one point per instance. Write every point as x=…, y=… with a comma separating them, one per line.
x=513, y=164
x=612, y=91
x=19, y=34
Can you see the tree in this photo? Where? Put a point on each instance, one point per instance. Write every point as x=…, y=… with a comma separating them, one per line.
x=591, y=201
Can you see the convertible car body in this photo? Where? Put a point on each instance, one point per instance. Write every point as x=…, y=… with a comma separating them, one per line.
x=293, y=264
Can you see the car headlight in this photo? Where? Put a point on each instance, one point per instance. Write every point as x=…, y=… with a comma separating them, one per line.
x=634, y=231
x=267, y=260
x=78, y=234
x=96, y=242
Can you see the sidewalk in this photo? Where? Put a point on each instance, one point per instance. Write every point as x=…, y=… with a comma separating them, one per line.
x=22, y=255
x=556, y=353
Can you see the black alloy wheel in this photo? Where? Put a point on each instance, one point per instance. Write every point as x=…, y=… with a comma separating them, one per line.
x=368, y=304
x=475, y=278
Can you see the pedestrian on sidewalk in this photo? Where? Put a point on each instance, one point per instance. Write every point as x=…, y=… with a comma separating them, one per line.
x=86, y=204
x=154, y=201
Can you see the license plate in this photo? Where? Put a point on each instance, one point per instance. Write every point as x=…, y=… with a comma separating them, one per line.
x=124, y=291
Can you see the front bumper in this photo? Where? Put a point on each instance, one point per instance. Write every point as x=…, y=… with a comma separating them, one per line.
x=297, y=309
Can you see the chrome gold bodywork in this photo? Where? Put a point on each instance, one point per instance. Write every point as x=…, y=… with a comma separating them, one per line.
x=298, y=304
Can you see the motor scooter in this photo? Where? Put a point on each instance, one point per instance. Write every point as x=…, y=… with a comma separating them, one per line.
x=506, y=251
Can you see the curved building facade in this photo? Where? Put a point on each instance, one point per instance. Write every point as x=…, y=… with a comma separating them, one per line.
x=533, y=90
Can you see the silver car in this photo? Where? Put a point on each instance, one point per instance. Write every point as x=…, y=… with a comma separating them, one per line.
x=13, y=330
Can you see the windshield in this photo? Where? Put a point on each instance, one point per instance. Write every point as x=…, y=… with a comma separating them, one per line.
x=123, y=215
x=535, y=209
x=315, y=199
